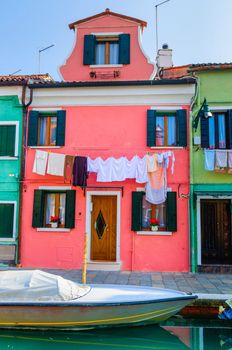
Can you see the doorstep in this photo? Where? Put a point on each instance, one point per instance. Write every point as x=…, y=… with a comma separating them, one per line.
x=215, y=268
x=103, y=266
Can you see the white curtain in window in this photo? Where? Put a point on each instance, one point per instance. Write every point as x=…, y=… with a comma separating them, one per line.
x=114, y=53
x=100, y=53
x=171, y=131
x=62, y=208
x=221, y=131
x=50, y=208
x=159, y=131
x=53, y=131
x=42, y=130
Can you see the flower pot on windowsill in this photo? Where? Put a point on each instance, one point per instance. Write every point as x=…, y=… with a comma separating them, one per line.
x=54, y=224
x=154, y=228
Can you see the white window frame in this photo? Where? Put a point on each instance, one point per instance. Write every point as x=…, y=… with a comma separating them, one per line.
x=16, y=151
x=14, y=221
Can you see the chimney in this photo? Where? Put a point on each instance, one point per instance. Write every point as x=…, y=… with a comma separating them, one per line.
x=164, y=57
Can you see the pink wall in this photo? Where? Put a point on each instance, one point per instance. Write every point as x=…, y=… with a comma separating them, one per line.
x=138, y=69
x=106, y=131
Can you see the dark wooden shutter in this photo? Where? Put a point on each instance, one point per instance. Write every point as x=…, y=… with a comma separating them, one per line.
x=38, y=209
x=60, y=132
x=7, y=140
x=204, y=132
x=229, y=129
x=136, y=219
x=124, y=48
x=33, y=128
x=70, y=209
x=181, y=127
x=151, y=125
x=7, y=220
x=171, y=212
x=89, y=49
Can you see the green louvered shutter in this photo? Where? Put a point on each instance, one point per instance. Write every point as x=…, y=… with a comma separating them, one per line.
x=7, y=220
x=204, y=132
x=89, y=49
x=171, y=212
x=70, y=209
x=136, y=218
x=7, y=140
x=38, y=209
x=181, y=127
x=33, y=128
x=151, y=124
x=229, y=129
x=60, y=131
x=124, y=48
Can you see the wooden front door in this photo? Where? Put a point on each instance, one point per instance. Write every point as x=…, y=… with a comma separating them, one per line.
x=103, y=228
x=216, y=236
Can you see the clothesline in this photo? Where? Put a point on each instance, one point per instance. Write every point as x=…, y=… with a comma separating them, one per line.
x=150, y=169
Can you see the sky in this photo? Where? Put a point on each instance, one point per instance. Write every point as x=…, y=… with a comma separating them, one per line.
x=198, y=31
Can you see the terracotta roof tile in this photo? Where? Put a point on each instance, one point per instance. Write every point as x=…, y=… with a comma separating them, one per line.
x=20, y=78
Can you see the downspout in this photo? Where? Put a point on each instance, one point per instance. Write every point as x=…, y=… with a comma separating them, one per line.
x=193, y=233
x=22, y=165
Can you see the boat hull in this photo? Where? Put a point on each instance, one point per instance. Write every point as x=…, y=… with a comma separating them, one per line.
x=87, y=316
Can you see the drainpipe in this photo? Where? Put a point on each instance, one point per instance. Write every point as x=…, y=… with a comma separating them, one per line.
x=22, y=164
x=193, y=230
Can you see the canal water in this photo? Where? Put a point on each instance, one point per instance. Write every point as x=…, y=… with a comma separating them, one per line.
x=173, y=335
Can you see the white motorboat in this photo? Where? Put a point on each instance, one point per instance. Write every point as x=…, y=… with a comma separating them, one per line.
x=36, y=299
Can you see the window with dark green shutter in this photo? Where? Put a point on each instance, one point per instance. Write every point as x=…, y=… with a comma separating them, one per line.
x=144, y=213
x=7, y=140
x=166, y=129
x=109, y=49
x=7, y=220
x=46, y=129
x=216, y=131
x=54, y=209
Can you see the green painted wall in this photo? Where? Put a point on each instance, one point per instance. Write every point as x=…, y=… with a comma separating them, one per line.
x=11, y=110
x=216, y=87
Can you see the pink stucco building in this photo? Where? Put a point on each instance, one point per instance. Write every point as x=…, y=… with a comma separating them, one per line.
x=110, y=112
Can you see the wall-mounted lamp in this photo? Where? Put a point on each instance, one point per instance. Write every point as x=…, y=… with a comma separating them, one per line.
x=203, y=112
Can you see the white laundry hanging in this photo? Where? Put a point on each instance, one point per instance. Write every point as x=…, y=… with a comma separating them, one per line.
x=40, y=162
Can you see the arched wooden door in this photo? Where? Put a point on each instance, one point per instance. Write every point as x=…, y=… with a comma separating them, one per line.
x=103, y=228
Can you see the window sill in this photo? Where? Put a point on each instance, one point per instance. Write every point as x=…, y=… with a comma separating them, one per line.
x=11, y=240
x=47, y=229
x=167, y=147
x=9, y=158
x=105, y=65
x=154, y=233
x=45, y=146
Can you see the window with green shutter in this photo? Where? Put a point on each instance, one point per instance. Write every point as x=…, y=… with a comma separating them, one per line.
x=46, y=129
x=54, y=209
x=7, y=140
x=216, y=131
x=7, y=210
x=108, y=49
x=144, y=213
x=166, y=129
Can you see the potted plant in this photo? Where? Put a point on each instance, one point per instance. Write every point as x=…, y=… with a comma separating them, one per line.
x=54, y=221
x=154, y=223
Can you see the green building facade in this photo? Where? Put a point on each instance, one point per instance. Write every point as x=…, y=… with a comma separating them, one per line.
x=11, y=117
x=211, y=169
